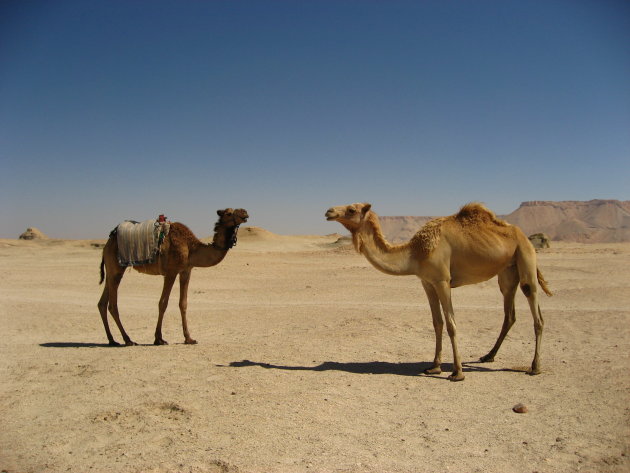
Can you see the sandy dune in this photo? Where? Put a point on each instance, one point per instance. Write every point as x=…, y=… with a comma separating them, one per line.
x=308, y=360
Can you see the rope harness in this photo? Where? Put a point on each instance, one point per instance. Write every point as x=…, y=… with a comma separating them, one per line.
x=231, y=240
x=234, y=239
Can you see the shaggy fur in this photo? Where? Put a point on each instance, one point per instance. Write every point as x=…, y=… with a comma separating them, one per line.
x=428, y=237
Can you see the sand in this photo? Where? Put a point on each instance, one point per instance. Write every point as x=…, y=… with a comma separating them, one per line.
x=308, y=360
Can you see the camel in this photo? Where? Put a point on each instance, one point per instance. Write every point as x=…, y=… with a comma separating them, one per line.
x=448, y=252
x=180, y=252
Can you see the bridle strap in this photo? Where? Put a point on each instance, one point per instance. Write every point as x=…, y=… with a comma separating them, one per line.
x=234, y=238
x=232, y=242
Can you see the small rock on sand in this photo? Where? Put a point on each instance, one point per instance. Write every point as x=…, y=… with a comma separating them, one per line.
x=520, y=408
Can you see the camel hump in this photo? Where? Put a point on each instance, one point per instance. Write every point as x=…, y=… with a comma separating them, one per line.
x=475, y=213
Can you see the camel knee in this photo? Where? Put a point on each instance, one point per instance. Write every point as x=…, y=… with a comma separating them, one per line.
x=528, y=289
x=102, y=308
x=438, y=325
x=102, y=305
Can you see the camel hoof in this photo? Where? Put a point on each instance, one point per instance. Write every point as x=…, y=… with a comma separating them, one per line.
x=434, y=370
x=113, y=343
x=456, y=377
x=533, y=371
x=190, y=341
x=129, y=343
x=487, y=358
x=160, y=341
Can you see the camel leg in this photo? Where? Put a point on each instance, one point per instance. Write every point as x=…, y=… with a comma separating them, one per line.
x=508, y=283
x=443, y=290
x=528, y=275
x=102, y=308
x=539, y=324
x=169, y=280
x=184, y=279
x=438, y=325
x=112, y=285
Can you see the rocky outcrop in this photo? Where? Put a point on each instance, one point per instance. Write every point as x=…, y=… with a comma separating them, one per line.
x=539, y=240
x=33, y=233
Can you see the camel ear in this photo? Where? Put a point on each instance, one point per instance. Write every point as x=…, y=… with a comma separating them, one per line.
x=366, y=208
x=220, y=213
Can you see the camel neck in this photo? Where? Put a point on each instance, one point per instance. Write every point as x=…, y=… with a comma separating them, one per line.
x=213, y=253
x=224, y=238
x=388, y=258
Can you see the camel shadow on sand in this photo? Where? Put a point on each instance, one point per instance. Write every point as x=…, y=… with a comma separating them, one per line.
x=72, y=345
x=375, y=367
x=87, y=345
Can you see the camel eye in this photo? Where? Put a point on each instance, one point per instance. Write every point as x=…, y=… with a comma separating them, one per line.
x=352, y=211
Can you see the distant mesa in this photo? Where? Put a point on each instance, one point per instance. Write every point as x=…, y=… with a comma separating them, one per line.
x=33, y=233
x=593, y=221
x=398, y=229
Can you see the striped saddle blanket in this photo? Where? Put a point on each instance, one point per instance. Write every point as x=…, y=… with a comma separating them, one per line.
x=139, y=242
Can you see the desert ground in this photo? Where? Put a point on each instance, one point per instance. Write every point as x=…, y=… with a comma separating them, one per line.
x=309, y=360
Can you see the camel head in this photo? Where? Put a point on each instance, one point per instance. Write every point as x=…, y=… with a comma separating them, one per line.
x=232, y=218
x=350, y=216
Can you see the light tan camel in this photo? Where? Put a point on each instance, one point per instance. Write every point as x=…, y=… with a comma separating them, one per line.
x=181, y=251
x=466, y=248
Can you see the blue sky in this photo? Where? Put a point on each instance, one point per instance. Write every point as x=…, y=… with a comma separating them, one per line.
x=114, y=110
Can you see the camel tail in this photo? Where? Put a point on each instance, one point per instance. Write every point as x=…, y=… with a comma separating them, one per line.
x=543, y=283
x=103, y=271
